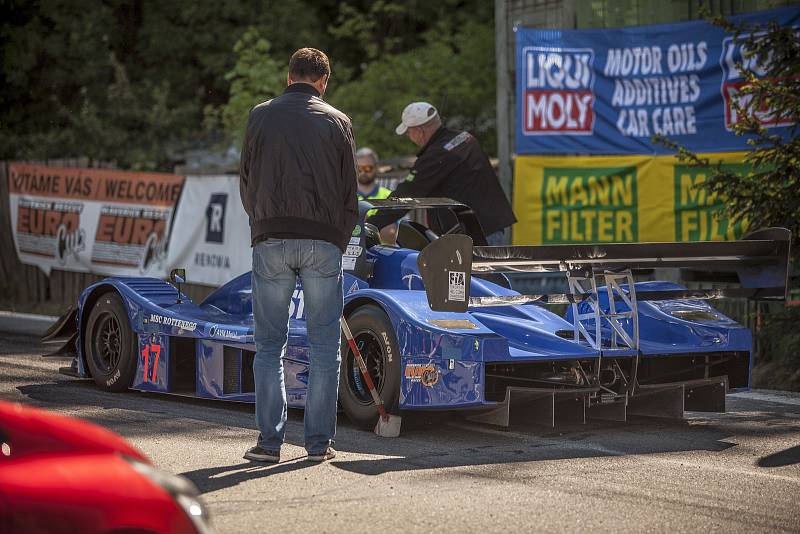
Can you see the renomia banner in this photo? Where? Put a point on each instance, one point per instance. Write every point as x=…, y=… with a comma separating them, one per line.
x=92, y=220
x=211, y=232
x=616, y=199
x=610, y=91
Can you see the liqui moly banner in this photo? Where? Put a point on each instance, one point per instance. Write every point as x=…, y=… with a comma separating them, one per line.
x=610, y=91
x=92, y=220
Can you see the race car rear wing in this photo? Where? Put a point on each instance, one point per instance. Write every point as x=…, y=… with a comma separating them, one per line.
x=760, y=261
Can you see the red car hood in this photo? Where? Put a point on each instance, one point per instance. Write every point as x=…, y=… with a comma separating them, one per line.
x=34, y=431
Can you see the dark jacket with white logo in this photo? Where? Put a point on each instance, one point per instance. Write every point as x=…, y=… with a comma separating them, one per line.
x=453, y=165
x=297, y=175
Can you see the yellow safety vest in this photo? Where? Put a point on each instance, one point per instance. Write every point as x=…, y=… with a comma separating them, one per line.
x=380, y=194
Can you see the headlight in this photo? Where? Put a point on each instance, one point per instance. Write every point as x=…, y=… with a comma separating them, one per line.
x=694, y=311
x=696, y=315
x=182, y=490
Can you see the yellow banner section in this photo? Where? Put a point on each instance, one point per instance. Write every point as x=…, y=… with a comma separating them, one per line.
x=616, y=199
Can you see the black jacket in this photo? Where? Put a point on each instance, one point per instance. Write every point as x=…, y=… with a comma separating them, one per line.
x=297, y=177
x=453, y=165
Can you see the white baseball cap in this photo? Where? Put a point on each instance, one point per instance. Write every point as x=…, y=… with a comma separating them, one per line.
x=415, y=114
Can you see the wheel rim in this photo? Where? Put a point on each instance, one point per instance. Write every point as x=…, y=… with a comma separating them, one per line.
x=374, y=354
x=107, y=343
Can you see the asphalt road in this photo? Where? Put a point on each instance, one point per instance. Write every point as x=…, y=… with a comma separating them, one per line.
x=732, y=472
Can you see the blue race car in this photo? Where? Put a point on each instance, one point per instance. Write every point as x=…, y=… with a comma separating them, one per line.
x=441, y=329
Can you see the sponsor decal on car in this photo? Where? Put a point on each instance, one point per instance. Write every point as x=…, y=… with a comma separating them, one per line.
x=226, y=333
x=350, y=256
x=426, y=374
x=387, y=344
x=297, y=304
x=111, y=381
x=410, y=278
x=189, y=326
x=456, y=287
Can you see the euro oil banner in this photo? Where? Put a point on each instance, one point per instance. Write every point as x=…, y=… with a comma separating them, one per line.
x=92, y=220
x=609, y=91
x=211, y=232
x=618, y=199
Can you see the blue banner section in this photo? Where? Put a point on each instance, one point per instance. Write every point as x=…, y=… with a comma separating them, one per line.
x=610, y=91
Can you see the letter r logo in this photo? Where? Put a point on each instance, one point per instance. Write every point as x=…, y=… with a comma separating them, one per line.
x=215, y=218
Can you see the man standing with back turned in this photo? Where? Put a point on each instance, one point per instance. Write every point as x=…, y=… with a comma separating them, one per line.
x=298, y=187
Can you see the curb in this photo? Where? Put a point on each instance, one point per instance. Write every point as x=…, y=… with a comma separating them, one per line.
x=25, y=323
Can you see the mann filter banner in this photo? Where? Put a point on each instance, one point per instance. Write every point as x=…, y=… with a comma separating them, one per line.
x=92, y=220
x=211, y=233
x=618, y=199
x=610, y=91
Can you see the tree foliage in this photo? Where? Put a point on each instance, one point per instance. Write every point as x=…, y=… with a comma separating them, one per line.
x=368, y=30
x=255, y=78
x=770, y=194
x=139, y=81
x=456, y=73
x=126, y=81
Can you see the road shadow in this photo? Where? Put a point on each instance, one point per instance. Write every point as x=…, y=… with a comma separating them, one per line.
x=782, y=458
x=212, y=479
x=427, y=441
x=21, y=344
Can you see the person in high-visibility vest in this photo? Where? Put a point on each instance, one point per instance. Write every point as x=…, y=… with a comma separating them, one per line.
x=368, y=187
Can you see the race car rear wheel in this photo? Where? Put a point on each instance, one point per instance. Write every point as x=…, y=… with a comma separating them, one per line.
x=110, y=345
x=374, y=336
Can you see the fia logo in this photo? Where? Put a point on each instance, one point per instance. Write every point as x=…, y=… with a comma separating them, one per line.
x=215, y=218
x=456, y=289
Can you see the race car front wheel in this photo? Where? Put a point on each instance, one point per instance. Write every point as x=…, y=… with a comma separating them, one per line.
x=110, y=344
x=374, y=336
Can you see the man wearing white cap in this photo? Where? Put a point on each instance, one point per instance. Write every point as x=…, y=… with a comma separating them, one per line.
x=452, y=164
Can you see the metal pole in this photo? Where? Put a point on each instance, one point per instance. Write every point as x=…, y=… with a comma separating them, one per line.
x=505, y=125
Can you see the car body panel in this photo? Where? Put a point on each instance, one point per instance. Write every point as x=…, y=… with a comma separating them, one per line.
x=57, y=471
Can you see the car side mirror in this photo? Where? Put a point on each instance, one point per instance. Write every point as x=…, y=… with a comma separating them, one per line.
x=178, y=277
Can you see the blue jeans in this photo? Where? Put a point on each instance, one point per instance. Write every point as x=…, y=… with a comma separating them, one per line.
x=276, y=264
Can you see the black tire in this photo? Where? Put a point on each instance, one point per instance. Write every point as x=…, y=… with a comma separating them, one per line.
x=110, y=348
x=375, y=338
